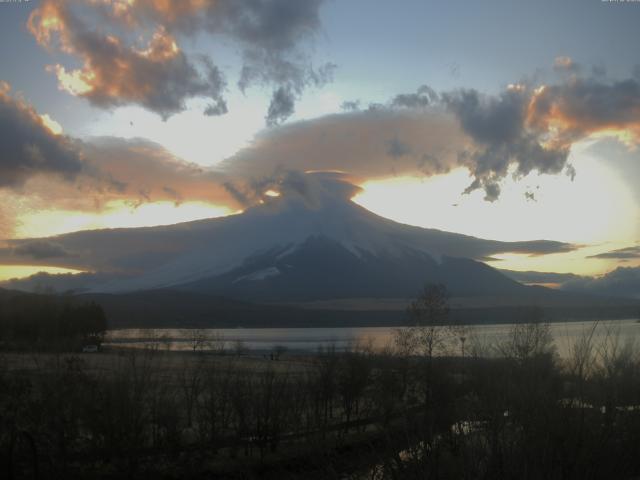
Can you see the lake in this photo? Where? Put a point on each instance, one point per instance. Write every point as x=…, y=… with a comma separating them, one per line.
x=301, y=340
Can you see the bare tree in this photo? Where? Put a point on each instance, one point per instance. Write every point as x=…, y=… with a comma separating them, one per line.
x=240, y=348
x=190, y=380
x=198, y=339
x=430, y=327
x=278, y=351
x=529, y=338
x=217, y=343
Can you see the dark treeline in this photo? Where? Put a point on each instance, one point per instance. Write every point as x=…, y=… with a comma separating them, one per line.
x=171, y=308
x=402, y=413
x=49, y=322
x=437, y=404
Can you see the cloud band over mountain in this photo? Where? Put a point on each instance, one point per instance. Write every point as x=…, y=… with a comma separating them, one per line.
x=524, y=129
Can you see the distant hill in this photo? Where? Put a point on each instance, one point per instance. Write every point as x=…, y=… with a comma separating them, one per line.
x=180, y=308
x=175, y=309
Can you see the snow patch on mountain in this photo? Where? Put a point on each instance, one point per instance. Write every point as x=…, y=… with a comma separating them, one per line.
x=259, y=275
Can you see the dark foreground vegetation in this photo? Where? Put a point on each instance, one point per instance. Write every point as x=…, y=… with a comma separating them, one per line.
x=356, y=414
x=436, y=405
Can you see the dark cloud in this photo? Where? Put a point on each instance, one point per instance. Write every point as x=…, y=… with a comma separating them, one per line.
x=621, y=282
x=266, y=70
x=489, y=120
x=154, y=72
x=377, y=107
x=491, y=189
x=41, y=250
x=583, y=106
x=59, y=172
x=521, y=130
x=498, y=127
x=281, y=107
x=133, y=171
x=350, y=105
x=275, y=25
x=423, y=97
x=489, y=136
x=397, y=148
x=217, y=109
x=239, y=193
x=566, y=65
x=28, y=147
x=539, y=247
x=454, y=70
x=532, y=129
x=629, y=253
x=273, y=34
x=158, y=76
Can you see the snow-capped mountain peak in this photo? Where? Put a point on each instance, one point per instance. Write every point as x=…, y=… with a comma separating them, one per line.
x=274, y=242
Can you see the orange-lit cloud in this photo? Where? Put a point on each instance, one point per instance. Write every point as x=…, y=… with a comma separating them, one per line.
x=144, y=171
x=584, y=107
x=53, y=126
x=156, y=75
x=153, y=72
x=533, y=128
x=564, y=63
x=489, y=136
x=522, y=130
x=127, y=174
x=42, y=169
x=134, y=12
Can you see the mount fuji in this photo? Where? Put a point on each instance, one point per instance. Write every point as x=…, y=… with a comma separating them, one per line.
x=309, y=243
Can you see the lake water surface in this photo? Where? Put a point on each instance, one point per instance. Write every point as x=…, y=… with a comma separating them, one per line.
x=301, y=340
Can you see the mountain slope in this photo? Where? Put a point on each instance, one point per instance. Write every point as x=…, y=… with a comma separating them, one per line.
x=322, y=268
x=310, y=243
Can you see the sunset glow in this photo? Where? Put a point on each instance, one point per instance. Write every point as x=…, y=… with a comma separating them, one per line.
x=117, y=214
x=320, y=239
x=8, y=272
x=438, y=202
x=143, y=113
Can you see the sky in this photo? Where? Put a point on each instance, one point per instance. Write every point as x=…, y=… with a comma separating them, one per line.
x=504, y=120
